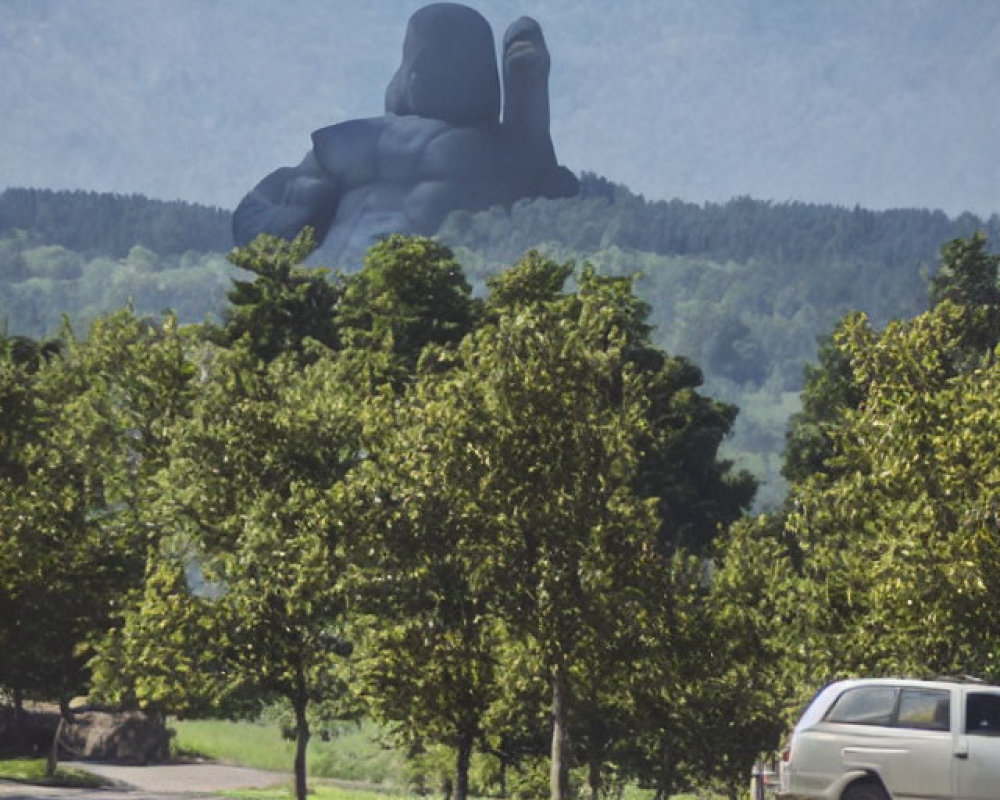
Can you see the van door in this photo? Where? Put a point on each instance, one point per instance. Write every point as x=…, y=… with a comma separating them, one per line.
x=977, y=748
x=916, y=756
x=901, y=734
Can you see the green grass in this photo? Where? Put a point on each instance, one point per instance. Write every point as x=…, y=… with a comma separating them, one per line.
x=354, y=755
x=32, y=770
x=318, y=791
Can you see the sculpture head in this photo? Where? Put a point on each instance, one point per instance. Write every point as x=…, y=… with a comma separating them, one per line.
x=449, y=69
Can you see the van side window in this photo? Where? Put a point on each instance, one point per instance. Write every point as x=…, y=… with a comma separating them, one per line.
x=982, y=714
x=864, y=705
x=927, y=709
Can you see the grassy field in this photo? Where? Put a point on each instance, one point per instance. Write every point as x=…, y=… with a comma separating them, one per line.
x=318, y=791
x=356, y=754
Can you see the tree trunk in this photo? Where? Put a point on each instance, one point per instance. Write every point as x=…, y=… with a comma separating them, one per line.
x=665, y=776
x=65, y=718
x=559, y=767
x=52, y=762
x=462, y=758
x=301, y=743
x=594, y=775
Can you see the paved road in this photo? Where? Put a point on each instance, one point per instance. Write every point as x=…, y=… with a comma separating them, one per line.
x=156, y=782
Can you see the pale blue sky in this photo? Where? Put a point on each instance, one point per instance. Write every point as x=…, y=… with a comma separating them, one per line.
x=882, y=103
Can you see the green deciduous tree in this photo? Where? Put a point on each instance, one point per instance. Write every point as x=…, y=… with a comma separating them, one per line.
x=285, y=304
x=968, y=275
x=902, y=538
x=241, y=498
x=410, y=293
x=88, y=426
x=886, y=563
x=828, y=392
x=516, y=511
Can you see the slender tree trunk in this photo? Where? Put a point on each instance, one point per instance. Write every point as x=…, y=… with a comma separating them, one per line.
x=52, y=762
x=559, y=767
x=594, y=774
x=665, y=779
x=462, y=759
x=65, y=718
x=301, y=743
x=17, y=723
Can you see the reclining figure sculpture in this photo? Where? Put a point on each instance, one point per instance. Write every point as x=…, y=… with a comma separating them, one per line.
x=439, y=147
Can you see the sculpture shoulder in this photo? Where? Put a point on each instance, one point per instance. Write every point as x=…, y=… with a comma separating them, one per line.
x=348, y=151
x=351, y=151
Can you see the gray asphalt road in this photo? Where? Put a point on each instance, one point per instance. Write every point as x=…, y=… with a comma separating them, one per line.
x=156, y=782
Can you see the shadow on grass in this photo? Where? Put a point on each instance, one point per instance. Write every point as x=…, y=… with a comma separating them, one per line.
x=32, y=770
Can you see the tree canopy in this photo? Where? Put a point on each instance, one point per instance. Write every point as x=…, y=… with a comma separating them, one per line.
x=499, y=525
x=884, y=559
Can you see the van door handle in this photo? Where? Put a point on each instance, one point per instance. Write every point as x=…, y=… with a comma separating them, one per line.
x=962, y=756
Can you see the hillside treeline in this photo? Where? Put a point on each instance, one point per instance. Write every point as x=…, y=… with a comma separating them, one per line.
x=743, y=230
x=743, y=287
x=94, y=223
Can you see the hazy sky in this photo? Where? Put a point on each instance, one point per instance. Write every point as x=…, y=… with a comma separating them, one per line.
x=883, y=103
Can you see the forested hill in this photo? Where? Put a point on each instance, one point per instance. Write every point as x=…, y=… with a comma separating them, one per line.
x=605, y=215
x=743, y=230
x=743, y=288
x=111, y=224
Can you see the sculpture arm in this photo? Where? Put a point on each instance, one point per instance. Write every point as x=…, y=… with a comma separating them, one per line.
x=286, y=201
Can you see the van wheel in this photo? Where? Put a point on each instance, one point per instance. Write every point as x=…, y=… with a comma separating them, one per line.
x=865, y=790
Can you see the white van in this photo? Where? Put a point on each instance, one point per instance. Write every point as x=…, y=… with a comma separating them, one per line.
x=884, y=739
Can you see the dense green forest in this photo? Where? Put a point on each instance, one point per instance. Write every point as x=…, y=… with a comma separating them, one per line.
x=80, y=254
x=743, y=288
x=111, y=224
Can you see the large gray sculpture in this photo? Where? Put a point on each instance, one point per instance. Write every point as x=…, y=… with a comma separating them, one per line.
x=439, y=147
